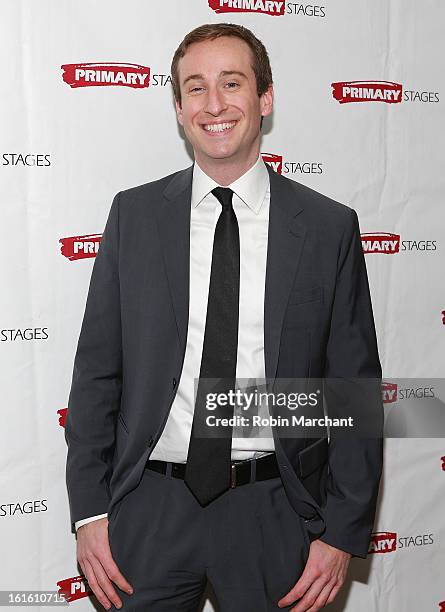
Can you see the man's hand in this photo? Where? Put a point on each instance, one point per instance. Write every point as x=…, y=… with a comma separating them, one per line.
x=97, y=563
x=324, y=574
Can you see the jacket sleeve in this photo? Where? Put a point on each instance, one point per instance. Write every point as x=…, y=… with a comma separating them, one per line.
x=355, y=461
x=96, y=387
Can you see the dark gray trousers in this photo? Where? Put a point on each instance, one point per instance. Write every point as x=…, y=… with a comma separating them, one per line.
x=249, y=543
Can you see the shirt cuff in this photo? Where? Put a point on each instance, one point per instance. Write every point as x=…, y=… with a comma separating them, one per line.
x=78, y=524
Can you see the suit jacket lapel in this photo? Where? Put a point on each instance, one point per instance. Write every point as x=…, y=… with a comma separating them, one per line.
x=285, y=242
x=174, y=230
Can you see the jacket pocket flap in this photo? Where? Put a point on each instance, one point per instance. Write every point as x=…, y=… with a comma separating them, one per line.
x=311, y=457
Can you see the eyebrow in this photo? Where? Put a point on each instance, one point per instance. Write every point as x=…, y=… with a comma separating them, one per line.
x=198, y=77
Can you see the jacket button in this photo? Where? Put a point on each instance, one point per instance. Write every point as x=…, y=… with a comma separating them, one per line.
x=174, y=383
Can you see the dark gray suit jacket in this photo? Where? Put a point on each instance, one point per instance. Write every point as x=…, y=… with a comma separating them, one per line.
x=318, y=322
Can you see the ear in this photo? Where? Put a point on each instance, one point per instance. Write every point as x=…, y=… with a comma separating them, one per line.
x=179, y=113
x=266, y=101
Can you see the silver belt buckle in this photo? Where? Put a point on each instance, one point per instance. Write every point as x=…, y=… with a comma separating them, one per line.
x=232, y=476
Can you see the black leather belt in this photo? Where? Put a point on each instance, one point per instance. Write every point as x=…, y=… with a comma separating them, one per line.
x=241, y=472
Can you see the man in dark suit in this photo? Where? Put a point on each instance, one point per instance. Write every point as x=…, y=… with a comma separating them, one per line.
x=224, y=270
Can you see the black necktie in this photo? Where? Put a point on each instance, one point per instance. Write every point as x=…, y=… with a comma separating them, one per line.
x=207, y=472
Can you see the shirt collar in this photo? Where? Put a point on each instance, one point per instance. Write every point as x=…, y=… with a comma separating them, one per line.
x=251, y=187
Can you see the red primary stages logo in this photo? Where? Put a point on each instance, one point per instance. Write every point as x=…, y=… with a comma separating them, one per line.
x=367, y=91
x=389, y=392
x=62, y=412
x=281, y=166
x=80, y=247
x=389, y=244
x=274, y=161
x=106, y=74
x=380, y=242
x=269, y=7
x=383, y=542
x=388, y=541
x=74, y=588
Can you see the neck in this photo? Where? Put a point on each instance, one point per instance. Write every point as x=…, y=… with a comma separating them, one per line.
x=226, y=171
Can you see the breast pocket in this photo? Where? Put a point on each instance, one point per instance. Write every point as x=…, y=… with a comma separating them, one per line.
x=306, y=294
x=304, y=308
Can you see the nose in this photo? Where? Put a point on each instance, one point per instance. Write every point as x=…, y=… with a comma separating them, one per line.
x=215, y=102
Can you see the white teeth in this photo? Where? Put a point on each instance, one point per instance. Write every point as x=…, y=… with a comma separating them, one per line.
x=219, y=127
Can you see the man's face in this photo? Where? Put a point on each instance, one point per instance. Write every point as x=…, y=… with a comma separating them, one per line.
x=222, y=91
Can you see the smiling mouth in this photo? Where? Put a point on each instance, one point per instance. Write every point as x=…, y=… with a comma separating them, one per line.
x=219, y=128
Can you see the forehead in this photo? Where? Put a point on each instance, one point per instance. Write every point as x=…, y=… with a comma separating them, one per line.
x=210, y=57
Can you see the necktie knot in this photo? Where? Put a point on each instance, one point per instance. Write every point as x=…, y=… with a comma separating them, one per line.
x=224, y=196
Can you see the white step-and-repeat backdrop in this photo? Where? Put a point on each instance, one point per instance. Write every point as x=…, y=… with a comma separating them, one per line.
x=359, y=116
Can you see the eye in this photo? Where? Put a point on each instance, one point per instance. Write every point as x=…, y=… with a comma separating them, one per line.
x=195, y=88
x=232, y=83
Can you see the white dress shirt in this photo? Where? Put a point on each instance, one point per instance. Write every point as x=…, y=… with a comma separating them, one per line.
x=251, y=201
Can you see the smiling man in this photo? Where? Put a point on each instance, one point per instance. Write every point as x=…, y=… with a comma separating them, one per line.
x=224, y=270
x=221, y=111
